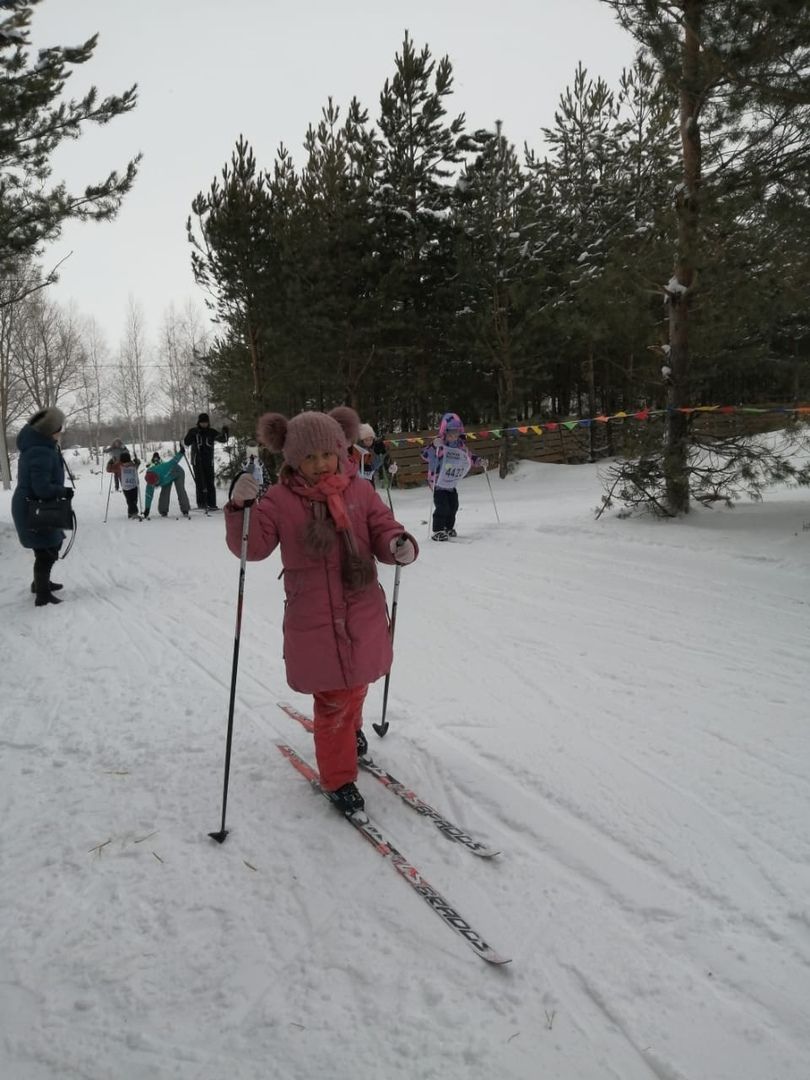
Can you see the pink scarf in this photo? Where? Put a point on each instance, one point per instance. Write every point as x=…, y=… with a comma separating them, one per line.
x=327, y=497
x=329, y=490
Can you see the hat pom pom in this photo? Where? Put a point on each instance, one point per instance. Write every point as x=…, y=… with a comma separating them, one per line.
x=271, y=431
x=349, y=421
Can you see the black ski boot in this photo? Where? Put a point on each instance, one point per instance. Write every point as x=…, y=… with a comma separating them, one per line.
x=362, y=743
x=348, y=800
x=53, y=586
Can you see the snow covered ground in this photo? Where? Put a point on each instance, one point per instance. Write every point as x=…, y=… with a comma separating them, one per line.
x=619, y=706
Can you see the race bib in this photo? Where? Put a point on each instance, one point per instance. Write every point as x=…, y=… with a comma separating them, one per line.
x=129, y=477
x=454, y=467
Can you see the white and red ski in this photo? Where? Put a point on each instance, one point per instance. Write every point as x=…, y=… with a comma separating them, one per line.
x=425, y=810
x=434, y=899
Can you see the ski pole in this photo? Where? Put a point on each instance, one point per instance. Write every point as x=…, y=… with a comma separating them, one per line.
x=383, y=725
x=492, y=495
x=223, y=832
x=109, y=489
x=388, y=487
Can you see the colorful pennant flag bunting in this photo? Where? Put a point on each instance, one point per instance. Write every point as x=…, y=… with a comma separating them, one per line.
x=586, y=422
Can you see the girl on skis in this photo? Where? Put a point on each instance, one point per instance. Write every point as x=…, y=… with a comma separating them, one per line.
x=165, y=475
x=331, y=526
x=448, y=461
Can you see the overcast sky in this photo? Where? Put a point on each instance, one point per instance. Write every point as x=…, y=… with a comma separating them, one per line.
x=208, y=71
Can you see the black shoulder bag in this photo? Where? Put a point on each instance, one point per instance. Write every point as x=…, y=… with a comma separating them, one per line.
x=46, y=514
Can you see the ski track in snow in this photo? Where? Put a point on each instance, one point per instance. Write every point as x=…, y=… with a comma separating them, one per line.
x=618, y=706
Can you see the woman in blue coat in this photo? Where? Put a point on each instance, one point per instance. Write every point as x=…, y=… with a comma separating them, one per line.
x=40, y=475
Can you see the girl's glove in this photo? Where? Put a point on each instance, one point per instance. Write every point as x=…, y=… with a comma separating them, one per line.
x=403, y=549
x=245, y=489
x=393, y=469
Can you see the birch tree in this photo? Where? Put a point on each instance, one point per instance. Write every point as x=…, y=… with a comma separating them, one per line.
x=182, y=349
x=132, y=392
x=93, y=382
x=49, y=351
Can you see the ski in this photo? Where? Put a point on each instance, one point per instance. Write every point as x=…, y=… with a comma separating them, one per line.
x=425, y=810
x=384, y=847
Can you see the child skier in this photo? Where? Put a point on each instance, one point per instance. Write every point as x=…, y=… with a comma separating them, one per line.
x=331, y=526
x=128, y=479
x=448, y=461
x=115, y=450
x=368, y=453
x=164, y=474
x=256, y=469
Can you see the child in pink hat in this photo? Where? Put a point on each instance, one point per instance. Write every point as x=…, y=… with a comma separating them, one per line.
x=331, y=526
x=448, y=461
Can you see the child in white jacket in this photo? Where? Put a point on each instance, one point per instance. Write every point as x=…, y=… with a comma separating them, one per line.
x=448, y=461
x=128, y=479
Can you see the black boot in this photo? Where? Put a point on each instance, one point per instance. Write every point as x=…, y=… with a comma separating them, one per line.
x=53, y=586
x=44, y=558
x=46, y=598
x=348, y=800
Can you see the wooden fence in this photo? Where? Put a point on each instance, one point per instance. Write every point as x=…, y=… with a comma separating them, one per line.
x=575, y=446
x=561, y=446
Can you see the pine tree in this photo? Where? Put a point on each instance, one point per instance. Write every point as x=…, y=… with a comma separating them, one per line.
x=584, y=173
x=416, y=233
x=233, y=258
x=34, y=122
x=338, y=265
x=739, y=72
x=495, y=238
x=645, y=138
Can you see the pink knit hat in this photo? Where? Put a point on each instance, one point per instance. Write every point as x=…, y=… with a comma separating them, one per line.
x=309, y=433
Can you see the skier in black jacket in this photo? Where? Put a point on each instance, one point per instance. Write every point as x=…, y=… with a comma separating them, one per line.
x=201, y=439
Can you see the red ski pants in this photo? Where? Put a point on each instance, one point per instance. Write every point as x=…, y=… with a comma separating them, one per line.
x=338, y=714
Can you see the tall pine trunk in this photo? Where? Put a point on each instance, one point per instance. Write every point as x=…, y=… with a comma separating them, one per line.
x=504, y=364
x=681, y=289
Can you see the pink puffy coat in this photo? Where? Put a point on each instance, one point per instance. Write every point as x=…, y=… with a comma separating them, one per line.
x=334, y=637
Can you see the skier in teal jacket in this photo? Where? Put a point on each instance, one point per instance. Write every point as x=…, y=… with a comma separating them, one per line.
x=164, y=474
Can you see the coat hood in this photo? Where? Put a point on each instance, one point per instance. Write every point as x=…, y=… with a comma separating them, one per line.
x=452, y=421
x=28, y=437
